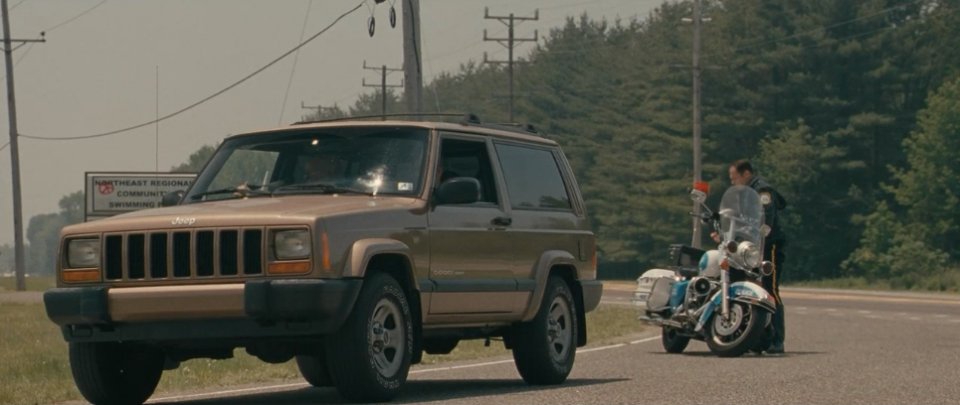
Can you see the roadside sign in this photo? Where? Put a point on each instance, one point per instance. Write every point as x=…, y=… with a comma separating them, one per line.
x=112, y=193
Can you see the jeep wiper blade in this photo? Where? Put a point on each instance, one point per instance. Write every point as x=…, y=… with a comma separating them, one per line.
x=244, y=190
x=324, y=188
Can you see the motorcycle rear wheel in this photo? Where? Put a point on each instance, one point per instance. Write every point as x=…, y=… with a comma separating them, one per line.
x=735, y=336
x=673, y=342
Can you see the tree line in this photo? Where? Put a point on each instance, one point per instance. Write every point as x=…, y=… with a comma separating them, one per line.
x=850, y=109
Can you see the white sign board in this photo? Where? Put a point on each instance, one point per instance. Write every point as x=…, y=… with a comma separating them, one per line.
x=112, y=193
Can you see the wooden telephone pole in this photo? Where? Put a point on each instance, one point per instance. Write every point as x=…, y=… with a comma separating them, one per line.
x=509, y=42
x=19, y=266
x=383, y=84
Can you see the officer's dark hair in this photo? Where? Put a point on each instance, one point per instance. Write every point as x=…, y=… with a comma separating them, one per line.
x=742, y=165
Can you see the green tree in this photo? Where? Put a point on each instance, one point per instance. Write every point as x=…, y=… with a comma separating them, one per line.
x=916, y=235
x=43, y=233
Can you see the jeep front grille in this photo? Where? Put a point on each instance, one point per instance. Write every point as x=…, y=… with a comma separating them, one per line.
x=173, y=255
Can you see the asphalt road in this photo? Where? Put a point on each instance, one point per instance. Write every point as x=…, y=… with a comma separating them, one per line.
x=842, y=348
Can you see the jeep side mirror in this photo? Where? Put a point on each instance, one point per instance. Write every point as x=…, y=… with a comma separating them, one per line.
x=458, y=190
x=172, y=198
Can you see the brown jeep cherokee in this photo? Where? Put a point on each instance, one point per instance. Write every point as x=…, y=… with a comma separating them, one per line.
x=352, y=246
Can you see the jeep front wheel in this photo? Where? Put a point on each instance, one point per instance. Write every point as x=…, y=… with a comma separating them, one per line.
x=369, y=357
x=545, y=347
x=115, y=373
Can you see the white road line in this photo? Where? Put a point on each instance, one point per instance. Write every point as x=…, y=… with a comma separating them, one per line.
x=914, y=318
x=831, y=310
x=941, y=316
x=228, y=392
x=271, y=388
x=649, y=339
x=864, y=311
x=473, y=365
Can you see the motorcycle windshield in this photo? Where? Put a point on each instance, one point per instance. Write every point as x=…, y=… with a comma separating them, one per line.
x=741, y=215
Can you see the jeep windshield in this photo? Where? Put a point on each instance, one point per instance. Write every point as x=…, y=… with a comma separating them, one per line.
x=349, y=160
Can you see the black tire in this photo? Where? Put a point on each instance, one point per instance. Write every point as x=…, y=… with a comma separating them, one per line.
x=313, y=368
x=369, y=357
x=115, y=373
x=672, y=341
x=741, y=333
x=545, y=347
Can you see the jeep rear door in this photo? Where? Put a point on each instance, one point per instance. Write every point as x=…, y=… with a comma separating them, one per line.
x=544, y=216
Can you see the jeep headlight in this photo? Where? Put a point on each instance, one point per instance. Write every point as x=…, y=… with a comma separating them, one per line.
x=749, y=254
x=83, y=253
x=292, y=245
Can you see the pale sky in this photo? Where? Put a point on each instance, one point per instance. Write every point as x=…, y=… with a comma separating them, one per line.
x=99, y=72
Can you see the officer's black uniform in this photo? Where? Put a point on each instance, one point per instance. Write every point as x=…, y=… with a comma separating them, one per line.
x=773, y=204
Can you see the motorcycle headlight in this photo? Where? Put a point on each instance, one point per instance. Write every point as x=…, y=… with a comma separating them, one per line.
x=291, y=245
x=83, y=253
x=750, y=254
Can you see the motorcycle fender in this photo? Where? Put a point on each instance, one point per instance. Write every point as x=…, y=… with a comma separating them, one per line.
x=748, y=293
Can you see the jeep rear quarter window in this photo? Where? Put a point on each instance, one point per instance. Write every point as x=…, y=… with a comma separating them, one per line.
x=532, y=177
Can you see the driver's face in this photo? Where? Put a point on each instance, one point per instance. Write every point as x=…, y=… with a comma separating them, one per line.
x=738, y=179
x=320, y=168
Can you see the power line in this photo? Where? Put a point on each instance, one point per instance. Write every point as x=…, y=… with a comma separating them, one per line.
x=296, y=57
x=208, y=98
x=72, y=19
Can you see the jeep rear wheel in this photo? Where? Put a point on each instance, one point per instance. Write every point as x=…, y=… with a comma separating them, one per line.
x=115, y=373
x=313, y=368
x=545, y=347
x=369, y=357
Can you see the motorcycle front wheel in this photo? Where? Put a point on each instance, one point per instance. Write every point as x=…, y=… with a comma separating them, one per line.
x=739, y=332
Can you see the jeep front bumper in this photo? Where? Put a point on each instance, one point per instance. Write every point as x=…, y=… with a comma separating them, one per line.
x=259, y=308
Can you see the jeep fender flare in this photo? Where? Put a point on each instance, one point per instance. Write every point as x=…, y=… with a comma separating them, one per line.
x=541, y=272
x=364, y=250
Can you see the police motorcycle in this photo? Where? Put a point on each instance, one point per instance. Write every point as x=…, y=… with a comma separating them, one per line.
x=716, y=295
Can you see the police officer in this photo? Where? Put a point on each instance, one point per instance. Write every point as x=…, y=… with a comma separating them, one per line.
x=742, y=173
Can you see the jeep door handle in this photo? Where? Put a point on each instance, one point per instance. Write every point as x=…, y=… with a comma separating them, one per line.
x=502, y=221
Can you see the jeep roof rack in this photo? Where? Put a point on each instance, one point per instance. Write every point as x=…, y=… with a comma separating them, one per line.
x=468, y=119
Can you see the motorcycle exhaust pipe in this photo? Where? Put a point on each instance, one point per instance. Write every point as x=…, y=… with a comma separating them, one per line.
x=766, y=268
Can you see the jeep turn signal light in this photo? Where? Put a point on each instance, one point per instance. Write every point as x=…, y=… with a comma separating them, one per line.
x=289, y=267
x=80, y=276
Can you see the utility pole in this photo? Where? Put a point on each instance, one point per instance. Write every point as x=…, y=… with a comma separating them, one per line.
x=320, y=109
x=383, y=84
x=412, y=57
x=19, y=266
x=697, y=170
x=509, y=42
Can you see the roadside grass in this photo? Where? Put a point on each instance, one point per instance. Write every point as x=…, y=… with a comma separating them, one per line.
x=34, y=283
x=35, y=369
x=947, y=282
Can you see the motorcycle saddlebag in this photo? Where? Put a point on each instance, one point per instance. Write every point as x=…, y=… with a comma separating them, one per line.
x=659, y=298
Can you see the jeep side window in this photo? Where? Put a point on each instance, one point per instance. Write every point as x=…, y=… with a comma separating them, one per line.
x=463, y=158
x=532, y=177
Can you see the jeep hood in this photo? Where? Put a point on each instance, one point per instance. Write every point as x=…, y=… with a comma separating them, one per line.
x=299, y=209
